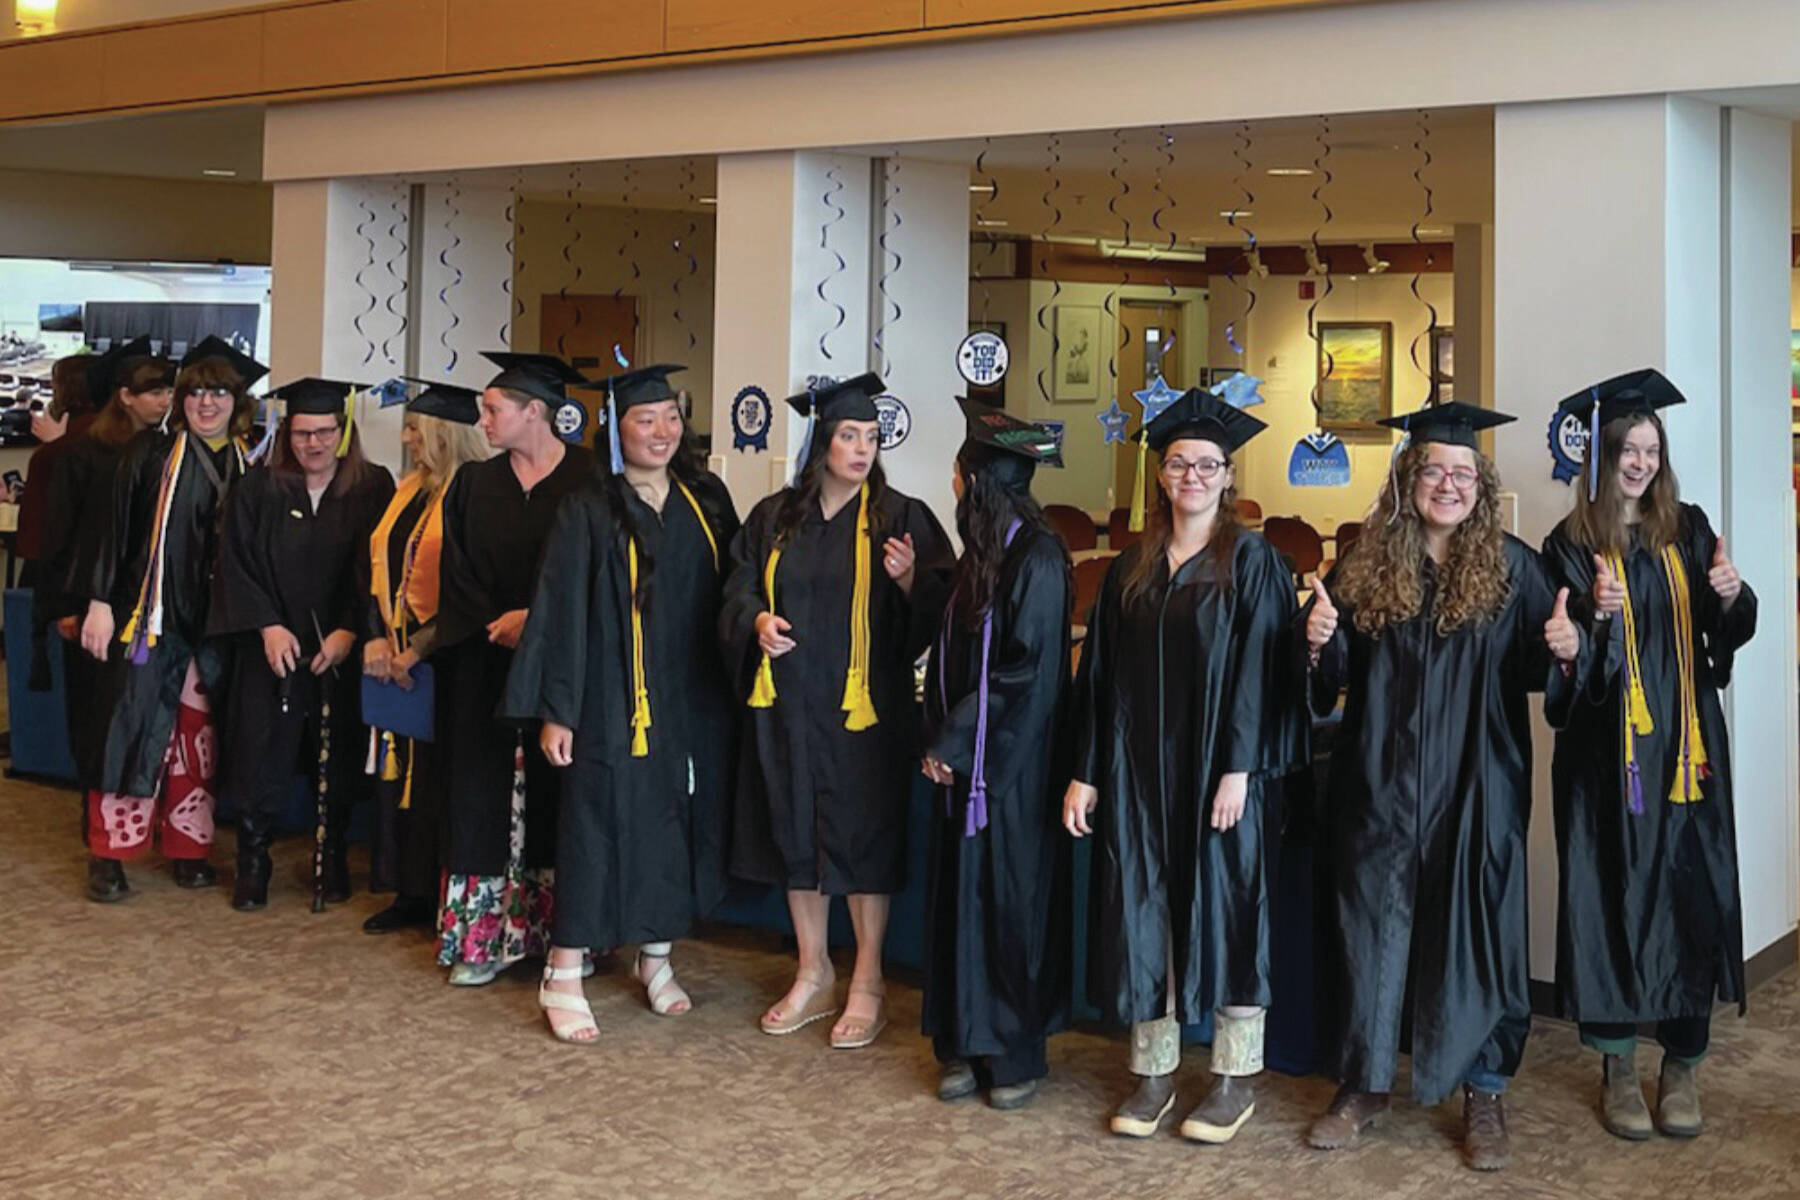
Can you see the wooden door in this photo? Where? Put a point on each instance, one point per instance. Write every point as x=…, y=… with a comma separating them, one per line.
x=1147, y=350
x=582, y=330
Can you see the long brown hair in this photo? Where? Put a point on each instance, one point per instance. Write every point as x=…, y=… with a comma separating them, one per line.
x=803, y=497
x=115, y=425
x=1383, y=575
x=1599, y=524
x=69, y=395
x=212, y=373
x=350, y=469
x=1159, y=530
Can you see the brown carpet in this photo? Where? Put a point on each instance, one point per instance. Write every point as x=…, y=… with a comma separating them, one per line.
x=169, y=1047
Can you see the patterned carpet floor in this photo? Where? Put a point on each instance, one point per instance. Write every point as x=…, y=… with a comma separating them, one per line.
x=169, y=1047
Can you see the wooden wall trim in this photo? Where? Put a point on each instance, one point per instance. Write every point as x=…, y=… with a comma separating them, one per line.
x=450, y=43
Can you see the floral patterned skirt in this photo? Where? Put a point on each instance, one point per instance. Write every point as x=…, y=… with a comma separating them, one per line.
x=499, y=918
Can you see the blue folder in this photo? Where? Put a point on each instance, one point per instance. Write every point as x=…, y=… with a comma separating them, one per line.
x=404, y=713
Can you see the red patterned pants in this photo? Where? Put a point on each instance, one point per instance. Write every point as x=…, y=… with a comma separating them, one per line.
x=121, y=826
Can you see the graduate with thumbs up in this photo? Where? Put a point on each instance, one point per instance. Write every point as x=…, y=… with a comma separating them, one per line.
x=1649, y=925
x=1436, y=626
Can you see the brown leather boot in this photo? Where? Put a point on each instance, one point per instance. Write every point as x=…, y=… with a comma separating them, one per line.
x=1485, y=1144
x=1622, y=1107
x=1350, y=1113
x=1678, y=1099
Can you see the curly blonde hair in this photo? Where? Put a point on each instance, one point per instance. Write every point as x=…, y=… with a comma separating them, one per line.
x=1383, y=575
x=445, y=446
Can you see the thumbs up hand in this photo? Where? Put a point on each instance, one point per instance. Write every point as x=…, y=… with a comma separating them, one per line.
x=1322, y=622
x=1609, y=592
x=1559, y=631
x=1724, y=577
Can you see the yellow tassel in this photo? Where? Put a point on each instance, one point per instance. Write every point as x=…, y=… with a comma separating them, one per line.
x=1690, y=764
x=406, y=792
x=1137, y=491
x=858, y=703
x=640, y=687
x=343, y=446
x=762, y=691
x=390, y=767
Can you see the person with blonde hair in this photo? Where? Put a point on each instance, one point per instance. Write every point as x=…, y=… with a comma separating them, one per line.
x=1438, y=624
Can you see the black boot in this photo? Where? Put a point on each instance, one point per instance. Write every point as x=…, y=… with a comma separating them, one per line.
x=254, y=867
x=337, y=856
x=406, y=912
x=193, y=873
x=106, y=881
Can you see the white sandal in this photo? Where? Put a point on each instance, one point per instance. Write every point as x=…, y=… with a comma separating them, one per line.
x=661, y=989
x=564, y=1002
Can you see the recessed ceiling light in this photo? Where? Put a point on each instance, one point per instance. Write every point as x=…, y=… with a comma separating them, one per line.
x=709, y=199
x=1429, y=231
x=985, y=187
x=989, y=223
x=218, y=173
x=1235, y=214
x=1290, y=170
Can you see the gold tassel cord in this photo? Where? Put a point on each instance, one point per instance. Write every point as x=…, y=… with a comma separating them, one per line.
x=762, y=692
x=1136, y=524
x=640, y=686
x=858, y=703
x=1691, y=767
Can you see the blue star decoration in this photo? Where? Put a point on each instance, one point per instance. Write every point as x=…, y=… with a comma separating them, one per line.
x=1158, y=396
x=1113, y=420
x=1240, y=391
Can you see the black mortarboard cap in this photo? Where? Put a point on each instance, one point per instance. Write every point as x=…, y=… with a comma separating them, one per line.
x=851, y=400
x=1004, y=448
x=544, y=376
x=1633, y=393
x=316, y=397
x=103, y=370
x=1452, y=424
x=1197, y=413
x=447, y=402
x=642, y=385
x=248, y=369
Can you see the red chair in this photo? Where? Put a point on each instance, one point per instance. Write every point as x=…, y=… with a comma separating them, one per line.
x=1249, y=511
x=1118, y=530
x=1089, y=575
x=1298, y=542
x=1073, y=526
x=1341, y=541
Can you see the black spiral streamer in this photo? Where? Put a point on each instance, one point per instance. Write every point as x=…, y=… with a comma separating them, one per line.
x=833, y=186
x=1422, y=147
x=452, y=199
x=684, y=246
x=889, y=208
x=398, y=219
x=506, y=280
x=1120, y=160
x=1165, y=203
x=628, y=248
x=571, y=239
x=1322, y=171
x=1053, y=149
x=1241, y=152
x=363, y=223
x=990, y=192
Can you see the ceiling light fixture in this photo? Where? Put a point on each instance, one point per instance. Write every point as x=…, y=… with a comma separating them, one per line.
x=35, y=16
x=1147, y=253
x=1235, y=214
x=709, y=199
x=1313, y=265
x=990, y=223
x=219, y=173
x=1290, y=170
x=1254, y=259
x=1373, y=261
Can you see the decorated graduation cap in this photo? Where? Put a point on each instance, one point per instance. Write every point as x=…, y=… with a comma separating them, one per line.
x=1004, y=448
x=543, y=377
x=1452, y=424
x=627, y=390
x=105, y=372
x=1635, y=393
x=852, y=399
x=447, y=402
x=211, y=347
x=312, y=397
x=1200, y=414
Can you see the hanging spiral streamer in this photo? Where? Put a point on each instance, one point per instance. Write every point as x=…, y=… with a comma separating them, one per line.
x=833, y=186
x=362, y=231
x=452, y=195
x=889, y=207
x=1165, y=203
x=990, y=192
x=628, y=248
x=1323, y=173
x=1241, y=152
x=1111, y=304
x=397, y=290
x=684, y=246
x=512, y=234
x=571, y=239
x=1053, y=148
x=1422, y=147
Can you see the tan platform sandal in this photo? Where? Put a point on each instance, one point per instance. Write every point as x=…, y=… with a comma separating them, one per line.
x=856, y=1034
x=821, y=1004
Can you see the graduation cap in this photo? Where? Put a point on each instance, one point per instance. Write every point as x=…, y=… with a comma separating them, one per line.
x=544, y=376
x=247, y=368
x=1635, y=393
x=103, y=369
x=627, y=390
x=1004, y=448
x=447, y=402
x=322, y=398
x=852, y=399
x=1200, y=414
x=1452, y=424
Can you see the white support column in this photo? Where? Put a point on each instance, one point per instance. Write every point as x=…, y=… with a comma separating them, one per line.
x=779, y=234
x=1652, y=231
x=924, y=207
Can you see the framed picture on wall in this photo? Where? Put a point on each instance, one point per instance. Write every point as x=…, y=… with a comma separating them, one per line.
x=1076, y=371
x=993, y=393
x=1443, y=365
x=1356, y=386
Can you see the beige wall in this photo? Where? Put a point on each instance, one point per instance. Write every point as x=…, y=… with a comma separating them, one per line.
x=49, y=215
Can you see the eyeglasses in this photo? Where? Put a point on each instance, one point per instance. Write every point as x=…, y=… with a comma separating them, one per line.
x=213, y=393
x=1205, y=468
x=327, y=434
x=1463, y=478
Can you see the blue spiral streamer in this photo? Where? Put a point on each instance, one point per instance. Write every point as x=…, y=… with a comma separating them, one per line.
x=1422, y=147
x=362, y=231
x=684, y=246
x=889, y=208
x=1052, y=184
x=506, y=281
x=571, y=239
x=1323, y=173
x=1165, y=203
x=399, y=220
x=990, y=192
x=833, y=186
x=1241, y=152
x=452, y=194
x=628, y=248
x=1120, y=160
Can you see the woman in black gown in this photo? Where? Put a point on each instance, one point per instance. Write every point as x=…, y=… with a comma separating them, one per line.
x=822, y=643
x=620, y=663
x=1188, y=719
x=1440, y=624
x=1649, y=924
x=996, y=691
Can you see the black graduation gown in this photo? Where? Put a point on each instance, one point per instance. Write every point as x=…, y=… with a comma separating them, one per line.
x=1425, y=819
x=137, y=737
x=1187, y=684
x=494, y=533
x=997, y=925
x=78, y=506
x=280, y=563
x=640, y=853
x=820, y=807
x=1649, y=923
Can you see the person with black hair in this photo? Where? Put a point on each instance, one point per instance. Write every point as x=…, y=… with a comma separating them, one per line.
x=620, y=666
x=1190, y=713
x=996, y=692
x=822, y=644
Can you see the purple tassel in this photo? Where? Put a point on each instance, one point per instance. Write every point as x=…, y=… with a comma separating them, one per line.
x=140, y=650
x=1634, y=790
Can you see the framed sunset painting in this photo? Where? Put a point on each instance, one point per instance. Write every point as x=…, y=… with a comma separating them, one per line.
x=1355, y=376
